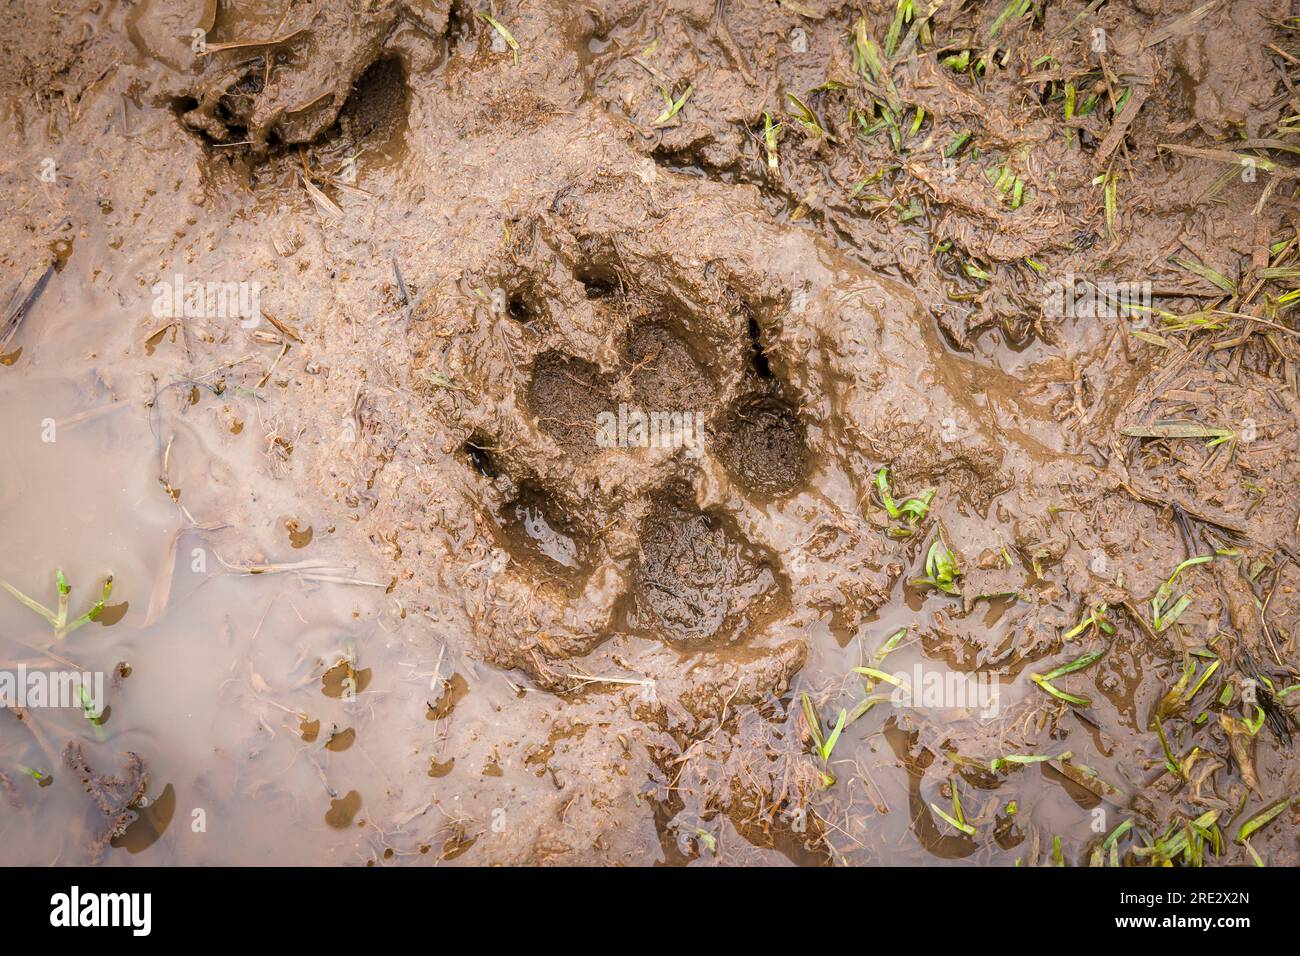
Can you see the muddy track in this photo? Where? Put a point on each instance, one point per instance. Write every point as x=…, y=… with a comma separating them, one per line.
x=666, y=363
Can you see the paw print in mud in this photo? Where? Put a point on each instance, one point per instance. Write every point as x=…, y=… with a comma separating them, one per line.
x=244, y=74
x=627, y=471
x=671, y=430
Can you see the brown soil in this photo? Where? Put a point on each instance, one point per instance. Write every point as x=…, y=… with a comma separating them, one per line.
x=762, y=445
x=470, y=257
x=696, y=579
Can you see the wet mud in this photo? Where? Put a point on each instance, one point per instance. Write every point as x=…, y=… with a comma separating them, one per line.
x=524, y=434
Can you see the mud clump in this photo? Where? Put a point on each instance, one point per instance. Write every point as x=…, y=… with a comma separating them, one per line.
x=264, y=88
x=116, y=797
x=760, y=440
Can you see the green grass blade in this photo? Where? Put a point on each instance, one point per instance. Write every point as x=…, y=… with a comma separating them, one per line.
x=814, y=723
x=863, y=707
x=890, y=645
x=506, y=35
x=1078, y=664
x=1261, y=819
x=965, y=828
x=673, y=107
x=835, y=735
x=1058, y=693
x=1208, y=274
x=96, y=609
x=39, y=608
x=882, y=675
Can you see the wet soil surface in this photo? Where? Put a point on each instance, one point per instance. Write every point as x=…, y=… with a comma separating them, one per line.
x=628, y=433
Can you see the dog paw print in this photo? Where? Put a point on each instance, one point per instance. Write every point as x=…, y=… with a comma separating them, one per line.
x=242, y=75
x=672, y=423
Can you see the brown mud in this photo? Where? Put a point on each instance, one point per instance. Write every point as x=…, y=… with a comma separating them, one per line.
x=399, y=574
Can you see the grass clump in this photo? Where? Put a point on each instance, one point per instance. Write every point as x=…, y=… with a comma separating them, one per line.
x=909, y=511
x=1185, y=841
x=823, y=746
x=941, y=571
x=58, y=619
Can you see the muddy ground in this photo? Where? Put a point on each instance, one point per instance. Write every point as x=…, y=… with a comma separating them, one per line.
x=393, y=581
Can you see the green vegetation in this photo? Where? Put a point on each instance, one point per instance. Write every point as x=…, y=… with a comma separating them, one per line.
x=59, y=619
x=822, y=744
x=673, y=106
x=506, y=35
x=910, y=510
x=1096, y=618
x=941, y=569
x=807, y=118
x=1079, y=663
x=1163, y=614
x=957, y=819
x=1185, y=841
x=1106, y=853
x=37, y=775
x=771, y=136
x=1021, y=760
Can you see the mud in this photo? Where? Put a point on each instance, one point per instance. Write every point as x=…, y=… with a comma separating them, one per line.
x=546, y=488
x=695, y=578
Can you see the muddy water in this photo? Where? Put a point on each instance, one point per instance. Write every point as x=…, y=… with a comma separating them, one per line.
x=231, y=686
x=394, y=579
